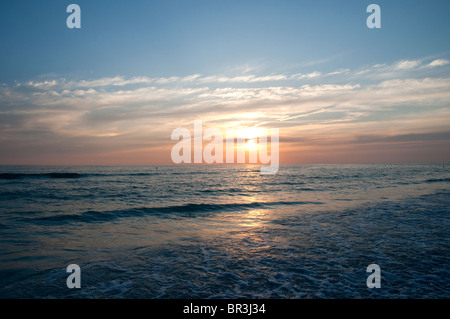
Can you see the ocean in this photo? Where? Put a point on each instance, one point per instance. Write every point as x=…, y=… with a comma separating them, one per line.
x=225, y=231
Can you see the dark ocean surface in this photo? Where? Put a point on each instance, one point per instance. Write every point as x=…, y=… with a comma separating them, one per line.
x=309, y=231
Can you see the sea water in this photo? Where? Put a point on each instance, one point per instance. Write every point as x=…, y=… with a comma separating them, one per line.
x=225, y=231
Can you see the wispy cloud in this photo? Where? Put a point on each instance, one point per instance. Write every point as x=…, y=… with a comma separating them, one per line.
x=407, y=64
x=242, y=79
x=438, y=62
x=140, y=112
x=301, y=76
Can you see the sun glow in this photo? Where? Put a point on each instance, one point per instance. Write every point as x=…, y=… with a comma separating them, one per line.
x=250, y=145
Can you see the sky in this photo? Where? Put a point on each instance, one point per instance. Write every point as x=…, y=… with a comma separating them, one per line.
x=112, y=91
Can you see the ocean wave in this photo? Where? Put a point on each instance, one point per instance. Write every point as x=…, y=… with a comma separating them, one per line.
x=187, y=210
x=67, y=175
x=42, y=175
x=437, y=180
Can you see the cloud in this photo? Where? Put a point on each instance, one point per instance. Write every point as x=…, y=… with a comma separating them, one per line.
x=103, y=82
x=242, y=79
x=338, y=72
x=380, y=65
x=397, y=69
x=407, y=64
x=143, y=110
x=411, y=137
x=301, y=76
x=437, y=63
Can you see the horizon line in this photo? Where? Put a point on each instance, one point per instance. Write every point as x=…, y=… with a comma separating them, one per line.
x=223, y=164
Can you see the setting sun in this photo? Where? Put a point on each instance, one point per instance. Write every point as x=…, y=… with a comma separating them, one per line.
x=250, y=145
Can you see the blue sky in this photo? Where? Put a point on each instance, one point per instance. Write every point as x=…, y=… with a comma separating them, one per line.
x=137, y=69
x=167, y=38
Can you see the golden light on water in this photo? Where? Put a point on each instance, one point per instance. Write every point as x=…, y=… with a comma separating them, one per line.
x=254, y=218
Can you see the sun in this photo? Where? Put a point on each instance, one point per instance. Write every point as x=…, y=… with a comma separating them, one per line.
x=250, y=145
